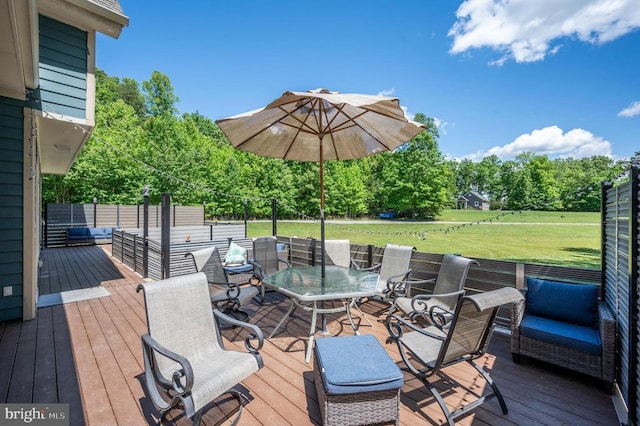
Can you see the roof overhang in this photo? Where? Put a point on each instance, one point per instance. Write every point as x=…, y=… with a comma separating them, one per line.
x=60, y=138
x=18, y=47
x=85, y=14
x=63, y=141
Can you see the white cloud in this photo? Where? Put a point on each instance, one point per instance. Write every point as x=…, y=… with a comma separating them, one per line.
x=551, y=141
x=527, y=31
x=387, y=92
x=441, y=125
x=631, y=110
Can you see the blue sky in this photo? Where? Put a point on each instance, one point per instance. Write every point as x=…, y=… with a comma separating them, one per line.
x=552, y=77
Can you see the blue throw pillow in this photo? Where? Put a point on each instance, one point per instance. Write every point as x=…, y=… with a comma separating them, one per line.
x=572, y=303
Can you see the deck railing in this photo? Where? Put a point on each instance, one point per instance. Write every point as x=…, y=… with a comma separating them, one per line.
x=491, y=274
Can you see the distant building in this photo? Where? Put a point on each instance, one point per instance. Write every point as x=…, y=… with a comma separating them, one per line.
x=472, y=200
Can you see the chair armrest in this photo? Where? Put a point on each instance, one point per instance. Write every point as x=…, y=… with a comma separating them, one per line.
x=397, y=283
x=403, y=288
x=441, y=317
x=420, y=283
x=254, y=331
x=149, y=344
x=517, y=313
x=395, y=324
x=233, y=289
x=370, y=268
x=607, y=328
x=257, y=269
x=286, y=262
x=418, y=301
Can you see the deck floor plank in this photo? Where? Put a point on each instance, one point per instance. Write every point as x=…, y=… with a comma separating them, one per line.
x=44, y=380
x=96, y=354
x=8, y=349
x=22, y=374
x=95, y=395
x=66, y=374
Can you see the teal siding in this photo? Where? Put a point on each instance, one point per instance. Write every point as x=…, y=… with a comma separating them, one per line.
x=63, y=68
x=11, y=202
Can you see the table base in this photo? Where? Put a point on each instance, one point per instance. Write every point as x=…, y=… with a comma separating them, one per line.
x=315, y=310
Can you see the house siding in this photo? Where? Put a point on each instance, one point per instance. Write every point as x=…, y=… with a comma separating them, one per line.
x=11, y=210
x=63, y=68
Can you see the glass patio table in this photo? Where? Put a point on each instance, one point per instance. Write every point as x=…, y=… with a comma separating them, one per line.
x=305, y=287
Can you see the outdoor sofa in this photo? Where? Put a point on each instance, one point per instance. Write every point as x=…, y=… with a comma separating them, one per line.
x=85, y=235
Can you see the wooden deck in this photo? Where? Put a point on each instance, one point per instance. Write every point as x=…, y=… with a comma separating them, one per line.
x=88, y=354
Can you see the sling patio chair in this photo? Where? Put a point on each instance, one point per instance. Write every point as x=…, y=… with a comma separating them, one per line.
x=225, y=295
x=185, y=362
x=427, y=352
x=265, y=258
x=394, y=273
x=438, y=306
x=339, y=253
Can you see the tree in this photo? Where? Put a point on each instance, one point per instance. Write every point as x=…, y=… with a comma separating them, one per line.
x=416, y=180
x=158, y=95
x=129, y=91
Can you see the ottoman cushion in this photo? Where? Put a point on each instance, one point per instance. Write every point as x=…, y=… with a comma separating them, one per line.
x=354, y=364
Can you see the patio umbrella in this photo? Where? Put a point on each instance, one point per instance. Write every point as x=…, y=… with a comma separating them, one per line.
x=319, y=125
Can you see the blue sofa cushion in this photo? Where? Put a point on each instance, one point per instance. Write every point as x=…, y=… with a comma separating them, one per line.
x=97, y=233
x=572, y=303
x=78, y=232
x=355, y=364
x=577, y=337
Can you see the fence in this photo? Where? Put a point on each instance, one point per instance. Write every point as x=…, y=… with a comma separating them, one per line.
x=59, y=217
x=128, y=246
x=492, y=274
x=620, y=264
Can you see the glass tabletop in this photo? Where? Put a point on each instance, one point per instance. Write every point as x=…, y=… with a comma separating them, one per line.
x=306, y=283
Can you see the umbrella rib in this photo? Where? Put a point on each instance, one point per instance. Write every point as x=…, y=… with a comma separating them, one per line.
x=279, y=120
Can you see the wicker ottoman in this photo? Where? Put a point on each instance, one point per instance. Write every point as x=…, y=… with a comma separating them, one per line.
x=356, y=381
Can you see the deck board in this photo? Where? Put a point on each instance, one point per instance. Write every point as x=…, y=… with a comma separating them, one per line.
x=94, y=348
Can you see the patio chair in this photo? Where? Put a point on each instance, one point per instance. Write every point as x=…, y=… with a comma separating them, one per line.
x=393, y=270
x=566, y=324
x=185, y=362
x=427, y=352
x=394, y=273
x=438, y=306
x=339, y=253
x=265, y=258
x=225, y=295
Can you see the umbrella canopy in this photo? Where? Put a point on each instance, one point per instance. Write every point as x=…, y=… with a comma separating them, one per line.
x=348, y=125
x=320, y=125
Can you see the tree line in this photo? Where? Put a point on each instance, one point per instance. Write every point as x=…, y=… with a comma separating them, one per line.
x=140, y=139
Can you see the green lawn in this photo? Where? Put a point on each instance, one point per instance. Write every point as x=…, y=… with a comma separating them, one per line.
x=567, y=239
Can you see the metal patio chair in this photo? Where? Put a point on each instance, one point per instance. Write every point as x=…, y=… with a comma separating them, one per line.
x=438, y=306
x=265, y=258
x=185, y=361
x=427, y=352
x=225, y=295
x=394, y=273
x=338, y=252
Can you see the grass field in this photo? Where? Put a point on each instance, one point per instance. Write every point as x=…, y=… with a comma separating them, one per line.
x=557, y=238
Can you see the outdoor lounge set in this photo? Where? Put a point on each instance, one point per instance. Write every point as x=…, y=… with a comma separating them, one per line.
x=86, y=235
x=356, y=381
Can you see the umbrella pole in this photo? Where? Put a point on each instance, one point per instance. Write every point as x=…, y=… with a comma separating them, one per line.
x=322, y=253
